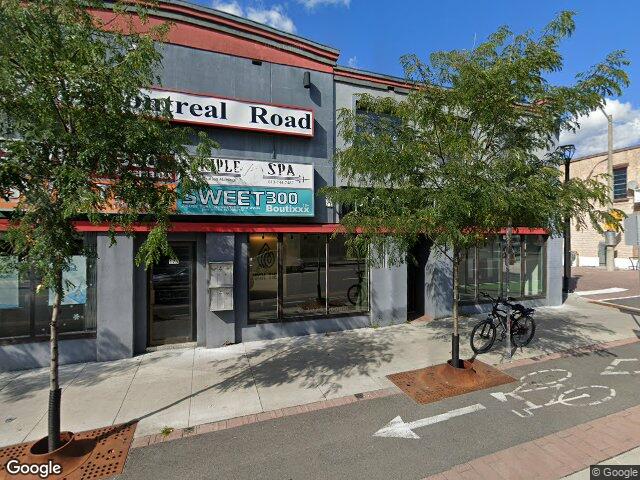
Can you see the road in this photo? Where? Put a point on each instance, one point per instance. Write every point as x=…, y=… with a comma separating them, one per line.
x=339, y=442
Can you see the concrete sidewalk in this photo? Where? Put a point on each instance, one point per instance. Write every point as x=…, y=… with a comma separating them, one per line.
x=187, y=387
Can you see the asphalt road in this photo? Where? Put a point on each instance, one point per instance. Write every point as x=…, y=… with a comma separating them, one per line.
x=339, y=443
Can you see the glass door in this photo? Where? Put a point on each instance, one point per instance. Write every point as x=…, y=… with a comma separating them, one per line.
x=172, y=297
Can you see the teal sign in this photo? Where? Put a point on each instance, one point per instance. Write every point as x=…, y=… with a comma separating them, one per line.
x=248, y=201
x=253, y=188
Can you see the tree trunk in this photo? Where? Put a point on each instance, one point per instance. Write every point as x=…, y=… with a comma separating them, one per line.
x=53, y=438
x=455, y=337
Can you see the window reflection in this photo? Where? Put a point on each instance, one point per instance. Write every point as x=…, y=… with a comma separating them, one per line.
x=348, y=279
x=263, y=277
x=305, y=276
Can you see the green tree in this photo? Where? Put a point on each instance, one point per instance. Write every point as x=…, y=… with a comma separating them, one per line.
x=81, y=148
x=471, y=149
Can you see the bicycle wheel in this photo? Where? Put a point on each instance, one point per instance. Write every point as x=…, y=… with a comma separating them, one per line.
x=522, y=331
x=482, y=336
x=353, y=294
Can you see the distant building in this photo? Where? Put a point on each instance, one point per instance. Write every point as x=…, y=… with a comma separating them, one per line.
x=588, y=243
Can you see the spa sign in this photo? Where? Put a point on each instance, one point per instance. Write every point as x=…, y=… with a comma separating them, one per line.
x=222, y=112
x=253, y=188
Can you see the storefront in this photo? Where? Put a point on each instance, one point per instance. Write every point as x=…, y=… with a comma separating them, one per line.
x=256, y=255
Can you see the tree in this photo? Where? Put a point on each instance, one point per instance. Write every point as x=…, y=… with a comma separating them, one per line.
x=471, y=149
x=82, y=147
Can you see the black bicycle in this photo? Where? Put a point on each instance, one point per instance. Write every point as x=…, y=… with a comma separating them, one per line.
x=522, y=325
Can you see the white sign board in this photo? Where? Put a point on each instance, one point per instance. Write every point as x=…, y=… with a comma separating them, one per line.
x=632, y=230
x=223, y=112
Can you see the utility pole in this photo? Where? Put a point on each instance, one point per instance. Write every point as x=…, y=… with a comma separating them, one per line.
x=567, y=151
x=609, y=249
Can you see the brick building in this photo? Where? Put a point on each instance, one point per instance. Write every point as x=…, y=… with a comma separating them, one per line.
x=589, y=244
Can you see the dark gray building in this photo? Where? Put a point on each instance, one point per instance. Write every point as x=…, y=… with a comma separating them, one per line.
x=255, y=255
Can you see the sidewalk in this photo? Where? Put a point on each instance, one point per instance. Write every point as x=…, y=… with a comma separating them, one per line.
x=188, y=387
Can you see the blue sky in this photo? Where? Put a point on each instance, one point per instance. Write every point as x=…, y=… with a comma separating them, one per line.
x=373, y=34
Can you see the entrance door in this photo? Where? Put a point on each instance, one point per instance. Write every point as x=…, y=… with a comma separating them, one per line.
x=172, y=297
x=416, y=263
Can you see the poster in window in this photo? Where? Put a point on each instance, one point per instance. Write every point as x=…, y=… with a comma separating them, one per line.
x=9, y=284
x=74, y=282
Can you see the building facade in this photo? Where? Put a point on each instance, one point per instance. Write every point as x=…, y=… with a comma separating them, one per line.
x=256, y=258
x=587, y=244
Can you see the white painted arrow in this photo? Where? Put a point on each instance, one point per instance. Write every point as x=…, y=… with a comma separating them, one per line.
x=398, y=428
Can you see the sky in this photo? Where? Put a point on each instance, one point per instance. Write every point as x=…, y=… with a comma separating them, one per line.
x=373, y=34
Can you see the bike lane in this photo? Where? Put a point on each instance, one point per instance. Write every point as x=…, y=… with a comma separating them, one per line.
x=393, y=437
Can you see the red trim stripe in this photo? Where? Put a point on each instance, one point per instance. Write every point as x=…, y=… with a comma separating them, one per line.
x=219, y=227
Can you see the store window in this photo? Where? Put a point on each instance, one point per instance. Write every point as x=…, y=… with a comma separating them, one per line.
x=482, y=269
x=25, y=312
x=293, y=276
x=620, y=183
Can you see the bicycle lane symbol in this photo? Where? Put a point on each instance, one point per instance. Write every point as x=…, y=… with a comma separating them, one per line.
x=553, y=381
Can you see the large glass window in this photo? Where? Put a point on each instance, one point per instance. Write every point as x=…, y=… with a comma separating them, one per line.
x=482, y=269
x=348, y=279
x=26, y=312
x=263, y=277
x=489, y=265
x=294, y=276
x=467, y=281
x=304, y=275
x=534, y=265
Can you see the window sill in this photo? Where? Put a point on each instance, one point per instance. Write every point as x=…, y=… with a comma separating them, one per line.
x=38, y=339
x=308, y=318
x=515, y=299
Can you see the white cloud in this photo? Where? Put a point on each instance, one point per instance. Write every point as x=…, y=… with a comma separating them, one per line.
x=274, y=17
x=232, y=7
x=353, y=62
x=315, y=3
x=592, y=135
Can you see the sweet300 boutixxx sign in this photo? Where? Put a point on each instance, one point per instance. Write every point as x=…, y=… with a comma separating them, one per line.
x=253, y=188
x=222, y=112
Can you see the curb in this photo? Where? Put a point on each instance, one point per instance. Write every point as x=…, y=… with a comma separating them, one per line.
x=622, y=308
x=262, y=417
x=571, y=352
x=349, y=399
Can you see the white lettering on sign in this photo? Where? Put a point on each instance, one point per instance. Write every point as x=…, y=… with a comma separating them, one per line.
x=223, y=112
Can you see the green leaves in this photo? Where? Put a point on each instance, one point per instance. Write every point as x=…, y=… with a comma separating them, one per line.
x=79, y=147
x=465, y=152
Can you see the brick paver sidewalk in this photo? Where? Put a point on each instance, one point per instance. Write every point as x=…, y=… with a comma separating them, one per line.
x=556, y=455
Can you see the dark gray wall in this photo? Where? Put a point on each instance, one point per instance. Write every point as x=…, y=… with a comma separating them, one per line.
x=115, y=298
x=193, y=70
x=23, y=356
x=220, y=326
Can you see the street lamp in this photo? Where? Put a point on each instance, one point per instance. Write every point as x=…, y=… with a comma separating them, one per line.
x=567, y=152
x=609, y=249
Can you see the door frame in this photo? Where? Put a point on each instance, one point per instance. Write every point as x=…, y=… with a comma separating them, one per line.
x=193, y=300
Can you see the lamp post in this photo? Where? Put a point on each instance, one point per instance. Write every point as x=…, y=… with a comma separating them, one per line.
x=609, y=249
x=567, y=152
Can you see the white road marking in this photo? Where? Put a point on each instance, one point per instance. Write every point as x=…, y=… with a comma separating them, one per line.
x=601, y=292
x=611, y=369
x=399, y=429
x=560, y=393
